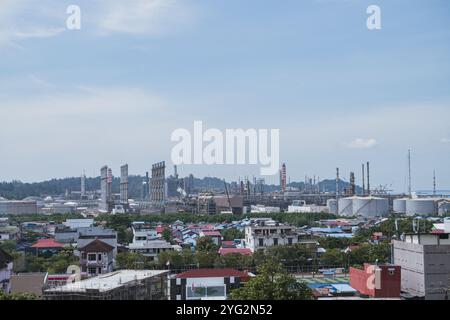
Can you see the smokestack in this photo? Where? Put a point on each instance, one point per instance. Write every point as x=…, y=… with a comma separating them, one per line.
x=368, y=178
x=409, y=173
x=434, y=182
x=363, y=182
x=337, y=183
x=352, y=184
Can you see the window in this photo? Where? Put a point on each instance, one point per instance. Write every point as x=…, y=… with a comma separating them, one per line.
x=261, y=242
x=99, y=257
x=443, y=236
x=92, y=270
x=202, y=292
x=275, y=241
x=83, y=256
x=92, y=257
x=289, y=241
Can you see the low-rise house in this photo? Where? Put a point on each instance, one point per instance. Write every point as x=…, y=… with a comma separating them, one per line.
x=150, y=249
x=206, y=284
x=96, y=258
x=215, y=236
x=87, y=235
x=6, y=269
x=46, y=247
x=9, y=233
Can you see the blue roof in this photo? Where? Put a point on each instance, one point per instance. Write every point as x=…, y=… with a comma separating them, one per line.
x=326, y=230
x=340, y=235
x=343, y=288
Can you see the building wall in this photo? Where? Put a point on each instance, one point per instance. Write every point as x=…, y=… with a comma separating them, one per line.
x=18, y=207
x=378, y=281
x=180, y=288
x=425, y=268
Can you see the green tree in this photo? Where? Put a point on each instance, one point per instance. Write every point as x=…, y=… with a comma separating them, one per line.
x=206, y=244
x=130, y=260
x=17, y=296
x=232, y=234
x=167, y=235
x=272, y=283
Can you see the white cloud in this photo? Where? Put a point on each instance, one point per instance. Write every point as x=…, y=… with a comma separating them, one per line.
x=445, y=140
x=146, y=17
x=360, y=143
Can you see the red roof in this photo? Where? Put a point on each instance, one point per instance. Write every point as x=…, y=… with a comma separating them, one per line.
x=228, y=244
x=160, y=229
x=437, y=231
x=213, y=273
x=212, y=234
x=47, y=243
x=244, y=251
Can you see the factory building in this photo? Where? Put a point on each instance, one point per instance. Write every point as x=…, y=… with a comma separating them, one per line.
x=158, y=184
x=18, y=207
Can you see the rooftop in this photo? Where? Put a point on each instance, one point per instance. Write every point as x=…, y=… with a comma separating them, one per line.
x=212, y=273
x=47, y=243
x=108, y=281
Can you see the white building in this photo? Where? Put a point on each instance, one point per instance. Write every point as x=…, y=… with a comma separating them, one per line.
x=425, y=263
x=263, y=233
x=151, y=248
x=79, y=223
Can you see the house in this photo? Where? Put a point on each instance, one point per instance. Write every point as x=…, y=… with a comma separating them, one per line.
x=215, y=236
x=96, y=258
x=264, y=233
x=87, y=235
x=150, y=249
x=206, y=284
x=377, y=281
x=9, y=233
x=47, y=247
x=243, y=251
x=118, y=285
x=6, y=269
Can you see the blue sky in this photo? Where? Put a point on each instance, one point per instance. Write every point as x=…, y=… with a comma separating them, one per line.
x=114, y=91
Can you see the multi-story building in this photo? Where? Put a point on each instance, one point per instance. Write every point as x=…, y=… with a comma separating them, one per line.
x=425, y=263
x=86, y=235
x=264, y=233
x=96, y=258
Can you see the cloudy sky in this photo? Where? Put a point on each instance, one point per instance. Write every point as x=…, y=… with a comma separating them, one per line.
x=114, y=91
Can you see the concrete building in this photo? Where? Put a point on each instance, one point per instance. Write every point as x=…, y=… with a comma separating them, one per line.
x=32, y=283
x=87, y=235
x=9, y=233
x=119, y=285
x=103, y=205
x=264, y=233
x=206, y=284
x=150, y=249
x=15, y=207
x=425, y=263
x=96, y=258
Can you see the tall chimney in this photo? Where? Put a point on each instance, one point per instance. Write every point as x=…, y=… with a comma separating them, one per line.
x=363, y=182
x=368, y=178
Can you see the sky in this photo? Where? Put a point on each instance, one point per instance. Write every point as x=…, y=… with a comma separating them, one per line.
x=114, y=91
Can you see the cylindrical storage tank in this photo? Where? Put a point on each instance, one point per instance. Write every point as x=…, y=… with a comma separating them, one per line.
x=371, y=207
x=400, y=205
x=346, y=207
x=444, y=207
x=332, y=205
x=423, y=207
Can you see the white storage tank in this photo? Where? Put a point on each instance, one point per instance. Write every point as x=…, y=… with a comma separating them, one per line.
x=370, y=207
x=423, y=207
x=399, y=205
x=444, y=207
x=332, y=205
x=346, y=206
